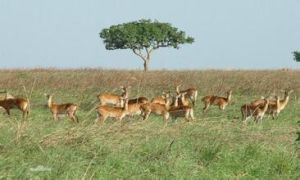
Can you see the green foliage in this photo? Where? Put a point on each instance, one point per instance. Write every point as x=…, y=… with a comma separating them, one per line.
x=143, y=34
x=142, y=37
x=296, y=56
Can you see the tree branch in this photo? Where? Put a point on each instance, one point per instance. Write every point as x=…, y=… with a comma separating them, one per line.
x=149, y=51
x=139, y=54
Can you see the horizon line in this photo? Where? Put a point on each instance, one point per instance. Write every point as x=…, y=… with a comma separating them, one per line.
x=151, y=70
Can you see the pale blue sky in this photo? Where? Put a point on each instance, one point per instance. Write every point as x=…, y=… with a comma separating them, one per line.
x=247, y=34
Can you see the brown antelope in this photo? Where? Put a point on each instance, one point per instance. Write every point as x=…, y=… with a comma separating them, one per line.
x=161, y=99
x=117, y=100
x=19, y=103
x=138, y=100
x=134, y=105
x=6, y=96
x=180, y=99
x=259, y=101
x=222, y=102
x=285, y=100
x=158, y=109
x=275, y=109
x=191, y=93
x=258, y=112
x=118, y=113
x=181, y=110
x=60, y=109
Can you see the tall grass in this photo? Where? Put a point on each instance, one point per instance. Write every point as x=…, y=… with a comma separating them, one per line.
x=216, y=146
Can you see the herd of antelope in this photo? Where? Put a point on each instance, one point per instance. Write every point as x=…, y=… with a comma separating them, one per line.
x=179, y=104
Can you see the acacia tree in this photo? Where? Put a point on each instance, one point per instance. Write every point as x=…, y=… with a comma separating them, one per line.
x=143, y=37
x=296, y=56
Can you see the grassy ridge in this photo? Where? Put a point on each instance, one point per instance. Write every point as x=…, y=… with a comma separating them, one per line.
x=215, y=146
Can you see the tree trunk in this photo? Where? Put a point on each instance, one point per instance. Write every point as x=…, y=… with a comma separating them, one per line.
x=145, y=58
x=146, y=63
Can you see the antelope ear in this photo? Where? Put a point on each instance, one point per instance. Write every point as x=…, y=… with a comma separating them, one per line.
x=45, y=94
x=281, y=90
x=291, y=91
x=262, y=97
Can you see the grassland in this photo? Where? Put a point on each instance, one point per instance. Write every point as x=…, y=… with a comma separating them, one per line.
x=216, y=146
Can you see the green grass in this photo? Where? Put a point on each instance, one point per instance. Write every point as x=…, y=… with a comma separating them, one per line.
x=215, y=146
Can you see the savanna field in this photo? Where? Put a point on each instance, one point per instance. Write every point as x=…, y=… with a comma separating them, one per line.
x=217, y=145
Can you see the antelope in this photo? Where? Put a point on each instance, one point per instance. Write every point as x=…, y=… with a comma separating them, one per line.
x=19, y=103
x=161, y=99
x=60, y=109
x=117, y=100
x=6, y=96
x=285, y=100
x=257, y=112
x=191, y=93
x=181, y=110
x=222, y=102
x=182, y=99
x=134, y=105
x=138, y=100
x=118, y=113
x=258, y=102
x=274, y=109
x=158, y=109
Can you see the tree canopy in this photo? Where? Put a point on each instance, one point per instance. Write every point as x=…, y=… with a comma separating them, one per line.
x=143, y=37
x=296, y=56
